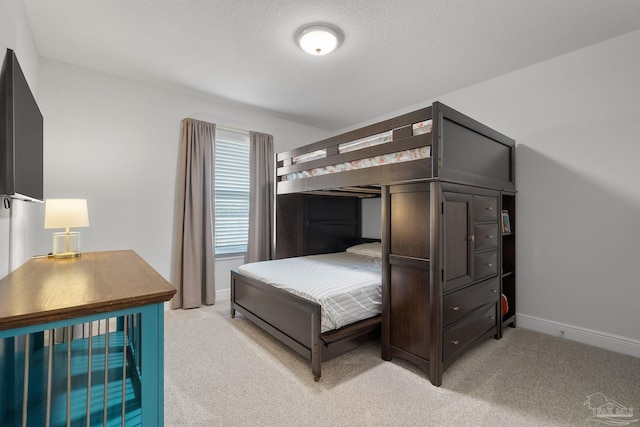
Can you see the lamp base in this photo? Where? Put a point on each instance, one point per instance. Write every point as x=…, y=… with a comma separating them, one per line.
x=66, y=245
x=66, y=255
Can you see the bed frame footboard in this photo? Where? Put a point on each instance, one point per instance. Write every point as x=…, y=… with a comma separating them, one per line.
x=295, y=321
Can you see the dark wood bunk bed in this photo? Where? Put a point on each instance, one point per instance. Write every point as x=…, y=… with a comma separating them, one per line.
x=446, y=260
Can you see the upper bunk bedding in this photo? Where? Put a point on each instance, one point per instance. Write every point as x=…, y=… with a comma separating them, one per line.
x=434, y=142
x=348, y=285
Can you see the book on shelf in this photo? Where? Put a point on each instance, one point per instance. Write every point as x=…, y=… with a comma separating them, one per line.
x=506, y=225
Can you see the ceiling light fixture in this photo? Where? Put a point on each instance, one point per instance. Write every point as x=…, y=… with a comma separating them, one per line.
x=318, y=39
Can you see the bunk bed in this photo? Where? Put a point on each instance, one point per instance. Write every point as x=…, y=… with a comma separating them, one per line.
x=446, y=265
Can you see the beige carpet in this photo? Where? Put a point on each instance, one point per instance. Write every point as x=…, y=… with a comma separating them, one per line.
x=227, y=372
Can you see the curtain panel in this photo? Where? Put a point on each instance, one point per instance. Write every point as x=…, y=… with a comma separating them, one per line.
x=194, y=257
x=261, y=187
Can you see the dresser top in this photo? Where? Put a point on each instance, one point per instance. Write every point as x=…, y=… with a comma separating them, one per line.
x=45, y=290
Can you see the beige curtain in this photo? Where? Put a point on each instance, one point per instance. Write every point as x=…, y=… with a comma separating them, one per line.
x=261, y=197
x=193, y=258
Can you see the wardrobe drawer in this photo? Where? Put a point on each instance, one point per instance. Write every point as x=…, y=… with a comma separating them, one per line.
x=485, y=208
x=485, y=264
x=459, y=336
x=459, y=304
x=485, y=236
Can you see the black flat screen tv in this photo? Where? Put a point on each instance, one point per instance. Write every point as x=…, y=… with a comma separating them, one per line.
x=21, y=135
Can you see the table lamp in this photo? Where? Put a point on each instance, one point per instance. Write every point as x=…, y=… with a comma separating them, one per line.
x=66, y=213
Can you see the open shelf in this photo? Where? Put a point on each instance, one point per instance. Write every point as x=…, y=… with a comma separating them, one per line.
x=508, y=283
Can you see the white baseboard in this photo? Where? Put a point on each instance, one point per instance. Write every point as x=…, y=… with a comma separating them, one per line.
x=223, y=295
x=583, y=335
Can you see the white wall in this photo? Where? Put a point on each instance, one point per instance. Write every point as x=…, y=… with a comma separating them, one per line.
x=576, y=122
x=372, y=218
x=17, y=239
x=116, y=143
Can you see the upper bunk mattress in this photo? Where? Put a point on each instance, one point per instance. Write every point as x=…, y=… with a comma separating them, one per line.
x=348, y=286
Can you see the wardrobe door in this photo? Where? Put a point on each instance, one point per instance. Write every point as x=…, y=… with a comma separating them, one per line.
x=410, y=222
x=407, y=319
x=410, y=317
x=457, y=241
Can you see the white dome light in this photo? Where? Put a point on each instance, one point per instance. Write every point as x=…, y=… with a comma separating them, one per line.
x=318, y=39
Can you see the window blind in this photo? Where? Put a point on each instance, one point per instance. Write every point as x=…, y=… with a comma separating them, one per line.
x=231, y=186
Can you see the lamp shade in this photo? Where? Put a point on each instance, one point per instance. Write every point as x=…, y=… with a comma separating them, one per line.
x=66, y=213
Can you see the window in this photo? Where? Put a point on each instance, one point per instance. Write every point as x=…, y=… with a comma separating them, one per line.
x=231, y=186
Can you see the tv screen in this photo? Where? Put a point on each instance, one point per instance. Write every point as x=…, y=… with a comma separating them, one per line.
x=21, y=135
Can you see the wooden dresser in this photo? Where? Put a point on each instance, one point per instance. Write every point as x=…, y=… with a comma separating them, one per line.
x=431, y=316
x=72, y=334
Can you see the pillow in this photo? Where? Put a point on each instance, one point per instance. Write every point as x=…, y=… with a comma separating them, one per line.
x=373, y=249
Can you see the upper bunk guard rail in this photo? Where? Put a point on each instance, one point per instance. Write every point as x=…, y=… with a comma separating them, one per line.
x=374, y=129
x=462, y=150
x=469, y=152
x=363, y=153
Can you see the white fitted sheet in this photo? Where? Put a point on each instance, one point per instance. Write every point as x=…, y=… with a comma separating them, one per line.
x=347, y=286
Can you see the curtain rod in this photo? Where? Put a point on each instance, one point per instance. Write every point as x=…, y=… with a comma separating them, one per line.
x=232, y=129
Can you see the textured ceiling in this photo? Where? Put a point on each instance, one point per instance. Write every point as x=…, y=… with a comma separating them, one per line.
x=395, y=53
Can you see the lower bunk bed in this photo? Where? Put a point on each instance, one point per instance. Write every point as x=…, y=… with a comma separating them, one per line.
x=318, y=305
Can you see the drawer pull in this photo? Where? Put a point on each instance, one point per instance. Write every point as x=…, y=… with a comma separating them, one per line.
x=492, y=317
x=455, y=342
x=495, y=291
x=489, y=208
x=489, y=236
x=455, y=308
x=489, y=264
